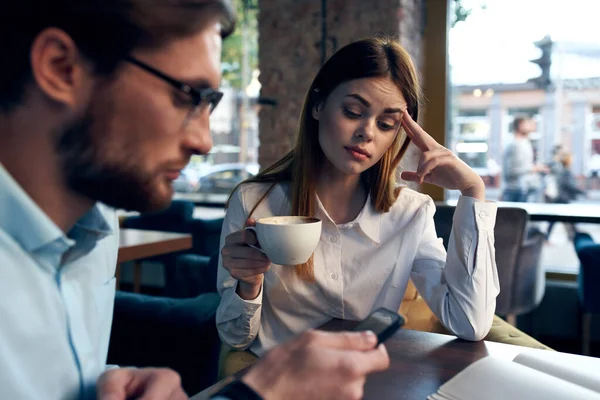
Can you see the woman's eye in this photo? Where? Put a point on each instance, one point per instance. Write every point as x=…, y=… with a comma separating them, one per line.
x=385, y=127
x=351, y=114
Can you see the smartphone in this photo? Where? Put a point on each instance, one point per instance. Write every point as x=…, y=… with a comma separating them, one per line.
x=384, y=323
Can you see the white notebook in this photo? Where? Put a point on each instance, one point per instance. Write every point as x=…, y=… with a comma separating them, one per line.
x=543, y=375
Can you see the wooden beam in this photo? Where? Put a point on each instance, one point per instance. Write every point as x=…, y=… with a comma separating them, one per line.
x=435, y=78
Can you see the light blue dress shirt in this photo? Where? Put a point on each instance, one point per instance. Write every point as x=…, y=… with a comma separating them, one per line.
x=56, y=298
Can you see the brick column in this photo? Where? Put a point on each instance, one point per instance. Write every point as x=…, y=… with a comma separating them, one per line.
x=290, y=52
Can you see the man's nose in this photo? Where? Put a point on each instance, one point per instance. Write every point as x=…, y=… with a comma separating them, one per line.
x=198, y=138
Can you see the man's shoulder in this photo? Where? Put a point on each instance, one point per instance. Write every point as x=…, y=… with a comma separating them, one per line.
x=10, y=250
x=510, y=146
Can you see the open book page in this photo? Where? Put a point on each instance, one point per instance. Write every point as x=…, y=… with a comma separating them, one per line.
x=580, y=370
x=497, y=379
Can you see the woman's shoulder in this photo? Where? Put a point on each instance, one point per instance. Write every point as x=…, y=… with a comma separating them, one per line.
x=251, y=190
x=263, y=195
x=408, y=197
x=410, y=211
x=408, y=204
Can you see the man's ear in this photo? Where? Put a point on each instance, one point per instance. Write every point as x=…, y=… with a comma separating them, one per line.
x=58, y=68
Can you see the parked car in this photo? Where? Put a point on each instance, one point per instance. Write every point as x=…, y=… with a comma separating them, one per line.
x=223, y=178
x=216, y=185
x=187, y=182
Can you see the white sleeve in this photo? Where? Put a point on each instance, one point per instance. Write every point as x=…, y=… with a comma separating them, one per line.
x=460, y=287
x=238, y=320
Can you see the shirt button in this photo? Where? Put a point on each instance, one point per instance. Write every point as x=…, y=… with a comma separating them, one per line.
x=333, y=239
x=483, y=214
x=334, y=277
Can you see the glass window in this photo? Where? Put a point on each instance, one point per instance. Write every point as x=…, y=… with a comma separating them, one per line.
x=470, y=136
x=545, y=65
x=234, y=123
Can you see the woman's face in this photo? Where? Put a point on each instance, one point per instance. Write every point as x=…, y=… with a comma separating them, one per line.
x=358, y=123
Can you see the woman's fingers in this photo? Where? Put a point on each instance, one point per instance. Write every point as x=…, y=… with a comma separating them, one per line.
x=244, y=252
x=429, y=161
x=420, y=138
x=243, y=263
x=244, y=236
x=410, y=176
x=430, y=165
x=242, y=273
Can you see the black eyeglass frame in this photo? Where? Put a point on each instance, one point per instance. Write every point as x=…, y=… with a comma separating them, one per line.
x=208, y=96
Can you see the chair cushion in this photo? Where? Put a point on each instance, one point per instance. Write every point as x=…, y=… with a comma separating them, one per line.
x=162, y=332
x=206, y=235
x=419, y=317
x=172, y=219
x=232, y=361
x=411, y=292
x=589, y=273
x=503, y=332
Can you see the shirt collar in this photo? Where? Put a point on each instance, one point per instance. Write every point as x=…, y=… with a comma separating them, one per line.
x=23, y=220
x=369, y=220
x=92, y=226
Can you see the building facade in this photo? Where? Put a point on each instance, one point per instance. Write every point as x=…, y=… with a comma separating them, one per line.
x=568, y=115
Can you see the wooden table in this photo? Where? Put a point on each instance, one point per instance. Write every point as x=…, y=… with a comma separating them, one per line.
x=420, y=362
x=136, y=244
x=575, y=213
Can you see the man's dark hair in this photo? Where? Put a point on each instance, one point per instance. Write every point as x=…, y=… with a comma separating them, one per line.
x=519, y=119
x=105, y=31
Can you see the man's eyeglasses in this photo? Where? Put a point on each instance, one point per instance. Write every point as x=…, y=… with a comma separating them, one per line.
x=200, y=98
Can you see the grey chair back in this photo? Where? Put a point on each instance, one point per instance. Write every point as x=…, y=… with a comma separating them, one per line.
x=517, y=257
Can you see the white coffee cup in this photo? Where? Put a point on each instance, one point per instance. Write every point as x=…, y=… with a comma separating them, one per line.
x=288, y=240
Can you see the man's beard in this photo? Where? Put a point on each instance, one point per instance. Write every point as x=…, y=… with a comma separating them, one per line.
x=88, y=172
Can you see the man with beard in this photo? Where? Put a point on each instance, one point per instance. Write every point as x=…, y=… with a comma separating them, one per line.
x=105, y=101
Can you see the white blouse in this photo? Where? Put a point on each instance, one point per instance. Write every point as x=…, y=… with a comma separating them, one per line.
x=363, y=265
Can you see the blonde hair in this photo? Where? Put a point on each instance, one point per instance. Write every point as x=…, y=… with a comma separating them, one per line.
x=367, y=58
x=566, y=159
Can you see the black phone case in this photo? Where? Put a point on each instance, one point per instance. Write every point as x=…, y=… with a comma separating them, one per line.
x=390, y=330
x=397, y=322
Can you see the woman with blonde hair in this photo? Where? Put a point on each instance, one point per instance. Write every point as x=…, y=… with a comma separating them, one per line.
x=356, y=124
x=567, y=189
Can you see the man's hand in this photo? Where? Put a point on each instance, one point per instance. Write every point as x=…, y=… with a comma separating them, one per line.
x=144, y=384
x=318, y=365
